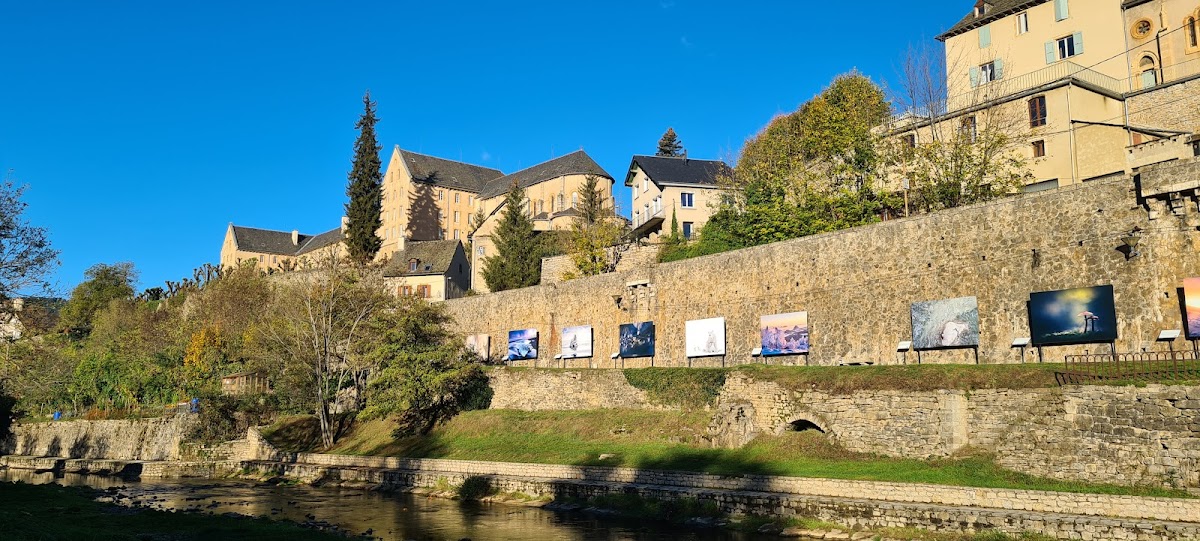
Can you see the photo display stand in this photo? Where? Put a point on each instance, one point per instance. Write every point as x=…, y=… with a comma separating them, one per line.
x=1022, y=343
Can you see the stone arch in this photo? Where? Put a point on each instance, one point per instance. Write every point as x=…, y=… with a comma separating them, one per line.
x=802, y=425
x=800, y=421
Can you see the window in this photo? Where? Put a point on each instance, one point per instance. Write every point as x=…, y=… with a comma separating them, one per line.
x=1037, y=111
x=686, y=200
x=687, y=230
x=423, y=292
x=274, y=259
x=645, y=184
x=1141, y=29
x=441, y=195
x=985, y=37
x=455, y=198
x=442, y=235
x=1149, y=72
x=413, y=264
x=481, y=251
x=406, y=290
x=262, y=258
x=456, y=216
x=575, y=200
x=1060, y=10
x=455, y=234
x=1192, y=31
x=1064, y=47
x=987, y=73
x=967, y=128
x=1022, y=22
x=1039, y=148
x=470, y=200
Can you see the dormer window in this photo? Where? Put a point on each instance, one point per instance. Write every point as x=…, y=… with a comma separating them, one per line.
x=981, y=8
x=414, y=264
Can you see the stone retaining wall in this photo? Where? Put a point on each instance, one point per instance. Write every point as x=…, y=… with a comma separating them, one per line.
x=134, y=439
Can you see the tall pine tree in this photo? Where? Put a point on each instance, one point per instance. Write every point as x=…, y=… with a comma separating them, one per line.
x=669, y=145
x=518, y=258
x=595, y=232
x=365, y=190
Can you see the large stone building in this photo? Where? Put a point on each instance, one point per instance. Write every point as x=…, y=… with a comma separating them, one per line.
x=1087, y=86
x=684, y=188
x=279, y=250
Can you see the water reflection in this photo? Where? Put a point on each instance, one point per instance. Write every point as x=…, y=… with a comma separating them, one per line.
x=391, y=517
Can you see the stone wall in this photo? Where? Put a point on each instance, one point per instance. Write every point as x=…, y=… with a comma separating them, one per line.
x=1124, y=435
x=1174, y=106
x=633, y=256
x=136, y=439
x=857, y=285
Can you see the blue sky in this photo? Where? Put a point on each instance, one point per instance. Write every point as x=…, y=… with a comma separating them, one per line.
x=143, y=128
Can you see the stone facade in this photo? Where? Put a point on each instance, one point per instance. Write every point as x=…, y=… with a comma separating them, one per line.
x=137, y=439
x=1174, y=106
x=631, y=257
x=1122, y=435
x=857, y=285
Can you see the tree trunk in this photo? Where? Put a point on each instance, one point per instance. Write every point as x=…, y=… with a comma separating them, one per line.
x=326, y=425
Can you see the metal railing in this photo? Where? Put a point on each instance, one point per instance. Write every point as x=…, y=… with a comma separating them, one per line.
x=1146, y=366
x=1007, y=86
x=647, y=216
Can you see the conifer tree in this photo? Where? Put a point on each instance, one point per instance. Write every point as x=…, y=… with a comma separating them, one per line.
x=365, y=190
x=669, y=145
x=518, y=258
x=595, y=232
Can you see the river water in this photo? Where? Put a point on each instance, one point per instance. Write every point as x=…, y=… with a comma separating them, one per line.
x=387, y=516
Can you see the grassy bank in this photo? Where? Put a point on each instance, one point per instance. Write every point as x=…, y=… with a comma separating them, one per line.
x=56, y=512
x=666, y=440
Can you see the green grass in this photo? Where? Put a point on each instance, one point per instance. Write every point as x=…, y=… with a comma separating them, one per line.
x=671, y=440
x=50, y=512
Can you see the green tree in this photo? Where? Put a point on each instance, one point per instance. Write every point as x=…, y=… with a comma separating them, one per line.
x=102, y=284
x=425, y=375
x=518, y=259
x=25, y=254
x=669, y=145
x=365, y=190
x=596, y=232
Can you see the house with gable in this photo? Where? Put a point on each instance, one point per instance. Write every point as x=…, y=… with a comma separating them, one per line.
x=666, y=186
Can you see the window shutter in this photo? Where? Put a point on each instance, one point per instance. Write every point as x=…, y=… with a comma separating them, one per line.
x=985, y=37
x=1078, y=37
x=998, y=69
x=1050, y=57
x=974, y=77
x=1060, y=10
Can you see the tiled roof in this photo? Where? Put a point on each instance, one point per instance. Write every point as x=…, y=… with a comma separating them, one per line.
x=668, y=170
x=575, y=163
x=997, y=9
x=267, y=241
x=433, y=256
x=447, y=173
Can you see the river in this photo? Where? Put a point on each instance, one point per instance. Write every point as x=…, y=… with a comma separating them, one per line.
x=387, y=516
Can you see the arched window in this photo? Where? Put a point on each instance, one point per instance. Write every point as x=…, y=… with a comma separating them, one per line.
x=575, y=199
x=560, y=202
x=1192, y=31
x=1149, y=72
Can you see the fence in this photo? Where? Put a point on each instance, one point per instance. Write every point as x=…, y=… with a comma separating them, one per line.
x=1146, y=366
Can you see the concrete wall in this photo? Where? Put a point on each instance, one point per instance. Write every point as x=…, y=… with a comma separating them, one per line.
x=857, y=285
x=137, y=439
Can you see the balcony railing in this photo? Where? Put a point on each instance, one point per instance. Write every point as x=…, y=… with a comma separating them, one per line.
x=647, y=216
x=1007, y=86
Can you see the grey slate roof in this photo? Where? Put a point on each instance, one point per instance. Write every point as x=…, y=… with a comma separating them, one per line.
x=447, y=173
x=267, y=241
x=434, y=257
x=997, y=9
x=667, y=170
x=575, y=163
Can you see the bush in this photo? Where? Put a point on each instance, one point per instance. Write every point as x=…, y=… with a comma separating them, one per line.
x=475, y=488
x=682, y=387
x=226, y=417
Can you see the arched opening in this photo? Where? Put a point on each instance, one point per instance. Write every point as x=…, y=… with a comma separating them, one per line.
x=802, y=425
x=1149, y=71
x=1192, y=31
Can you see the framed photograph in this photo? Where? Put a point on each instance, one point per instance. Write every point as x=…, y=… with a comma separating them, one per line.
x=1073, y=316
x=637, y=340
x=522, y=344
x=784, y=334
x=945, y=323
x=480, y=344
x=705, y=337
x=577, y=342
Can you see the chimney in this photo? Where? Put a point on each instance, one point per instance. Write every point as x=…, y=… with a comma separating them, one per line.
x=685, y=156
x=295, y=238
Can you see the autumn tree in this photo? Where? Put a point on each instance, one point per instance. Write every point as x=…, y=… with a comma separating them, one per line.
x=950, y=157
x=518, y=259
x=102, y=284
x=365, y=190
x=669, y=145
x=26, y=257
x=596, y=232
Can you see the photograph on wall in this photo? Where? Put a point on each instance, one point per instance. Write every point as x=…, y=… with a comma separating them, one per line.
x=705, y=337
x=522, y=344
x=945, y=323
x=637, y=339
x=1073, y=316
x=480, y=344
x=577, y=342
x=784, y=334
x=1191, y=307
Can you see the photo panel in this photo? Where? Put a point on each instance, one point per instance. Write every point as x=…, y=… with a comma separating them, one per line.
x=1191, y=307
x=522, y=344
x=637, y=340
x=705, y=337
x=577, y=342
x=480, y=344
x=945, y=323
x=784, y=334
x=1073, y=316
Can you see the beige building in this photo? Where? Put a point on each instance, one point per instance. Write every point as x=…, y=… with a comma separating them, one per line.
x=681, y=187
x=278, y=250
x=1061, y=75
x=434, y=270
x=552, y=192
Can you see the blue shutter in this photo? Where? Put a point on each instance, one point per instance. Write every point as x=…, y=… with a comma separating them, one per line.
x=998, y=69
x=1060, y=10
x=985, y=37
x=1078, y=37
x=974, y=74
x=1050, y=56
